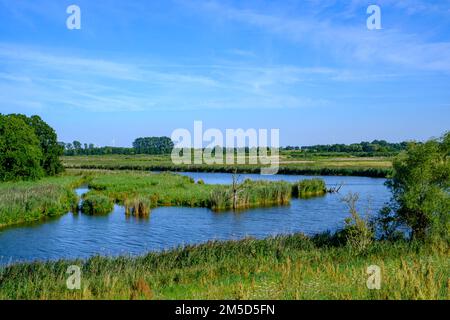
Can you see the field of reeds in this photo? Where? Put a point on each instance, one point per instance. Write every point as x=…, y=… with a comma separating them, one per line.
x=348, y=166
x=30, y=201
x=141, y=191
x=251, y=194
x=285, y=267
x=138, y=192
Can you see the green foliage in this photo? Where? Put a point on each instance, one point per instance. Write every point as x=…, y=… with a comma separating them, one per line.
x=94, y=203
x=51, y=149
x=163, y=189
x=20, y=152
x=28, y=148
x=358, y=233
x=250, y=194
x=420, y=186
x=309, y=187
x=29, y=201
x=366, y=148
x=153, y=145
x=284, y=267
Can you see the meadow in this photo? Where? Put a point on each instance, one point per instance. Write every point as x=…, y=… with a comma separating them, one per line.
x=284, y=267
x=344, y=165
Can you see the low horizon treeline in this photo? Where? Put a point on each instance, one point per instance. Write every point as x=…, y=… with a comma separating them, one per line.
x=376, y=146
x=146, y=145
x=164, y=145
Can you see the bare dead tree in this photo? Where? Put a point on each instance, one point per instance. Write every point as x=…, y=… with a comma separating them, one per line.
x=335, y=189
x=236, y=188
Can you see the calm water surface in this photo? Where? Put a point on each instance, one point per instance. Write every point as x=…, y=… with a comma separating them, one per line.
x=81, y=236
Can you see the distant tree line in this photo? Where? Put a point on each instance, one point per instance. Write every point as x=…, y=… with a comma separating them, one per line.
x=376, y=146
x=29, y=148
x=147, y=145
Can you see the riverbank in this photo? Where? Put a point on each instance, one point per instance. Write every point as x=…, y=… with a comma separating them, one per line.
x=36, y=200
x=376, y=167
x=285, y=267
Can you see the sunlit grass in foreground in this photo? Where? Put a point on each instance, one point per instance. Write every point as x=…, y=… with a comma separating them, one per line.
x=286, y=267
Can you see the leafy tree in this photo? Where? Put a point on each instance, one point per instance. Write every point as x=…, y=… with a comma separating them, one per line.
x=77, y=147
x=20, y=150
x=420, y=185
x=51, y=149
x=153, y=145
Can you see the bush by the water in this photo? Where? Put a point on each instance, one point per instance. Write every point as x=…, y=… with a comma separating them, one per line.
x=94, y=204
x=420, y=186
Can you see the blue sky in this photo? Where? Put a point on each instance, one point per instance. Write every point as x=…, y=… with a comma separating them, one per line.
x=309, y=68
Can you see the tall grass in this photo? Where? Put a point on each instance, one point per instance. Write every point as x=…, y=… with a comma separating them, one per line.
x=138, y=206
x=251, y=194
x=30, y=201
x=139, y=192
x=284, y=267
x=309, y=187
x=96, y=204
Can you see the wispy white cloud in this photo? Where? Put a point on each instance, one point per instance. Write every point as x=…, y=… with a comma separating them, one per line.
x=348, y=42
x=46, y=78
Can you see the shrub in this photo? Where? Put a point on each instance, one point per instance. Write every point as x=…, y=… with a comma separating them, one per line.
x=358, y=234
x=420, y=185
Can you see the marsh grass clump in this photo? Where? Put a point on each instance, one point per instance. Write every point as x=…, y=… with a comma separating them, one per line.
x=309, y=188
x=250, y=194
x=96, y=204
x=138, y=206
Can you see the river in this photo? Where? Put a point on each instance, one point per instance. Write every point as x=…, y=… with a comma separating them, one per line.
x=81, y=236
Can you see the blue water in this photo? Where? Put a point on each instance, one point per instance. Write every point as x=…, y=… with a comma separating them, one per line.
x=82, y=236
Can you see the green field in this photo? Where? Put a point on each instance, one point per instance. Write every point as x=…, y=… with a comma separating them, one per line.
x=350, y=166
x=286, y=267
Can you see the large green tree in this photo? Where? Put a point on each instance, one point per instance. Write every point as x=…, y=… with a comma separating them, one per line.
x=153, y=145
x=421, y=186
x=48, y=140
x=20, y=151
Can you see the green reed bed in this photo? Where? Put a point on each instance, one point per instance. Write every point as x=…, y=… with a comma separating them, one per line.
x=250, y=194
x=150, y=189
x=30, y=201
x=284, y=267
x=139, y=192
x=309, y=188
x=96, y=204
